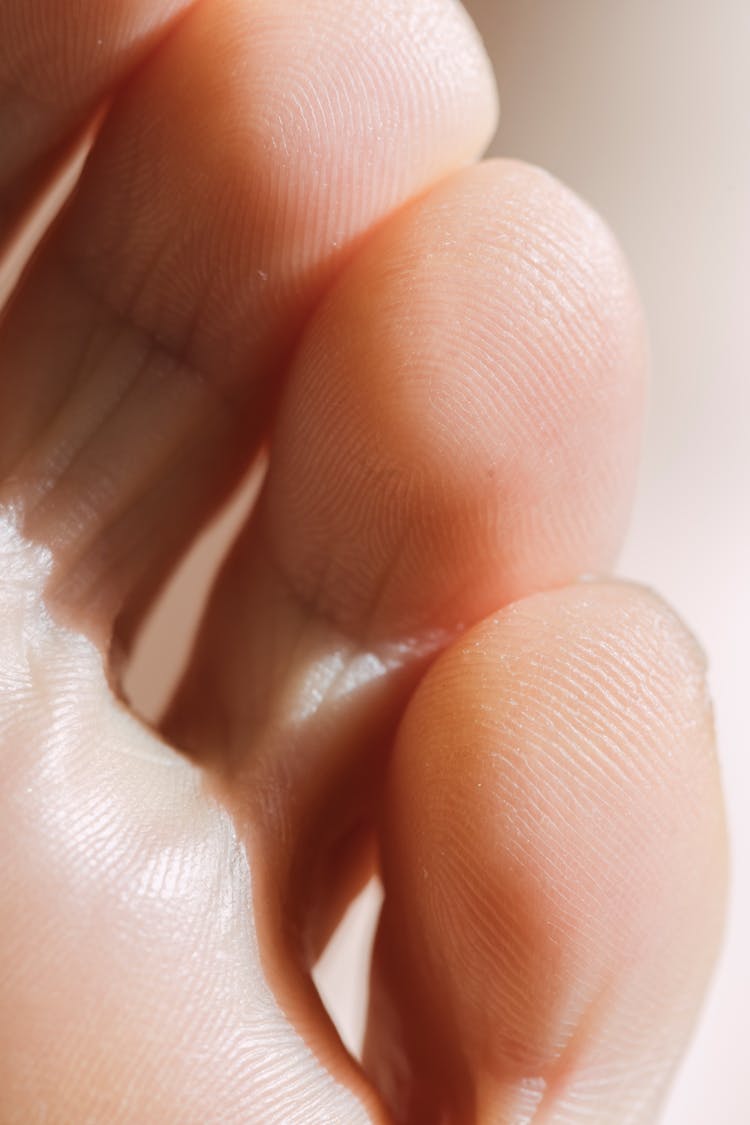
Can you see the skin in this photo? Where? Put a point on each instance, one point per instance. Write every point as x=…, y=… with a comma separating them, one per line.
x=281, y=241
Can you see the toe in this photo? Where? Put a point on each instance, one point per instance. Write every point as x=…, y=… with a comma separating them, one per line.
x=460, y=427
x=143, y=352
x=58, y=62
x=554, y=865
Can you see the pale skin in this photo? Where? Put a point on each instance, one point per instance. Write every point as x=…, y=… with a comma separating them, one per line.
x=282, y=241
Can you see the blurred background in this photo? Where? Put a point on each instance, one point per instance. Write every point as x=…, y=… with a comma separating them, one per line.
x=642, y=106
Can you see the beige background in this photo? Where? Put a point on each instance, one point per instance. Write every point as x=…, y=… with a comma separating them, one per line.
x=642, y=106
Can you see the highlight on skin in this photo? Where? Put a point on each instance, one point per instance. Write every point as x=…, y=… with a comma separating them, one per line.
x=281, y=246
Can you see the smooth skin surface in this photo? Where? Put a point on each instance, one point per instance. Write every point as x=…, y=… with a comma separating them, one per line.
x=281, y=246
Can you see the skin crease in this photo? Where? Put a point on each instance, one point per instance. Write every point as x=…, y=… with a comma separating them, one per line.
x=446, y=364
x=48, y=93
x=193, y=314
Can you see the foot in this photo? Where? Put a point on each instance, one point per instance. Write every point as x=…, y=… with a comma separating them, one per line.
x=281, y=241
